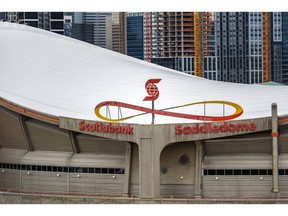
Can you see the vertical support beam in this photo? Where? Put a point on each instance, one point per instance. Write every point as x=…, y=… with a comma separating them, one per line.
x=76, y=150
x=274, y=134
x=73, y=142
x=127, y=169
x=26, y=135
x=149, y=169
x=198, y=170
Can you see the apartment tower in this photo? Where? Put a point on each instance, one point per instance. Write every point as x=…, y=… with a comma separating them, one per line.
x=186, y=42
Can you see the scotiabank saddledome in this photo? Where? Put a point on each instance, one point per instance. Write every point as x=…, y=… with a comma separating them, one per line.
x=77, y=119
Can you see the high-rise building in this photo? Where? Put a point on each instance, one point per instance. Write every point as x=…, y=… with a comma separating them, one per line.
x=135, y=35
x=285, y=47
x=90, y=27
x=147, y=35
x=241, y=47
x=232, y=47
x=186, y=42
x=2, y=16
x=51, y=21
x=259, y=50
x=9, y=16
x=68, y=24
x=108, y=23
x=119, y=32
x=140, y=35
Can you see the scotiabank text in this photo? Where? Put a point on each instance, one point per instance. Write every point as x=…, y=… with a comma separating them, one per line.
x=105, y=128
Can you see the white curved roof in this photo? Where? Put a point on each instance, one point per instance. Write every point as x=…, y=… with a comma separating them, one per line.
x=60, y=76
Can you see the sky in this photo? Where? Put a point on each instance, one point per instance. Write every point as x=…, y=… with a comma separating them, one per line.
x=143, y=5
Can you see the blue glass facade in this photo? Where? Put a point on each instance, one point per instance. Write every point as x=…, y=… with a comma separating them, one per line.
x=232, y=46
x=285, y=47
x=135, y=37
x=276, y=47
x=2, y=16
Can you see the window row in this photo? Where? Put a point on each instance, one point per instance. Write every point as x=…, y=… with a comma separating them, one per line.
x=243, y=172
x=62, y=169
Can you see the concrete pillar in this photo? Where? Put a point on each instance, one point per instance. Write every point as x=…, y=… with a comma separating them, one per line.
x=198, y=168
x=275, y=134
x=149, y=169
x=127, y=169
x=73, y=142
x=26, y=135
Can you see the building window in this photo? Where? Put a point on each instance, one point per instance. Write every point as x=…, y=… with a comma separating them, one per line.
x=250, y=172
x=39, y=168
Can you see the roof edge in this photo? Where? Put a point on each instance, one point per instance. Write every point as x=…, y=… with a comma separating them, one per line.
x=29, y=112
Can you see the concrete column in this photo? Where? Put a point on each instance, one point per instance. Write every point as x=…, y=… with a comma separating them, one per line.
x=26, y=135
x=149, y=169
x=127, y=168
x=275, y=134
x=198, y=168
x=73, y=142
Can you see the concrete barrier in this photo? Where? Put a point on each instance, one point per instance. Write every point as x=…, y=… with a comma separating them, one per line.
x=9, y=198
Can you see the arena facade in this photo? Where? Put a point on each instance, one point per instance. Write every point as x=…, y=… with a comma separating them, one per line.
x=80, y=121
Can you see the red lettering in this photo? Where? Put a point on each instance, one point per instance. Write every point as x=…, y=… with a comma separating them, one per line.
x=111, y=128
x=123, y=130
x=223, y=128
x=102, y=128
x=82, y=125
x=87, y=127
x=187, y=130
x=210, y=128
x=92, y=127
x=195, y=129
x=203, y=129
x=118, y=129
x=252, y=126
x=130, y=130
x=242, y=127
x=215, y=129
x=231, y=127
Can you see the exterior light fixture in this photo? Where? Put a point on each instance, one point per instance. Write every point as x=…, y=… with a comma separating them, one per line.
x=181, y=177
x=261, y=178
x=3, y=171
x=58, y=174
x=28, y=173
x=217, y=178
x=113, y=176
x=78, y=176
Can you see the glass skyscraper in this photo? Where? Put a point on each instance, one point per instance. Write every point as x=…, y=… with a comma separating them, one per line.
x=51, y=21
x=232, y=47
x=90, y=27
x=135, y=35
x=285, y=47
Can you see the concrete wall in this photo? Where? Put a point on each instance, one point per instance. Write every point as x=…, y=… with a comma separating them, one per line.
x=152, y=139
x=153, y=147
x=12, y=198
x=176, y=166
x=11, y=135
x=47, y=137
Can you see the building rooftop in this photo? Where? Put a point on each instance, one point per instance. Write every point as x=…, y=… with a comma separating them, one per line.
x=61, y=76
